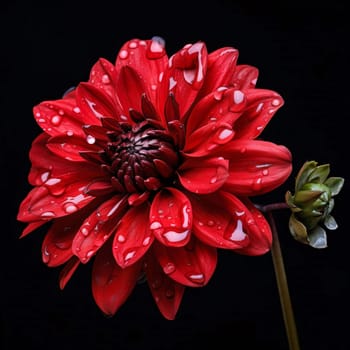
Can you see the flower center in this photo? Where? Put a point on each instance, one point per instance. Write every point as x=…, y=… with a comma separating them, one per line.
x=141, y=158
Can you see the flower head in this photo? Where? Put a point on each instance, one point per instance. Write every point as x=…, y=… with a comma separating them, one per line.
x=148, y=168
x=312, y=204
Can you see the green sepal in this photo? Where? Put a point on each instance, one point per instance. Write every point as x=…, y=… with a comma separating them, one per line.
x=298, y=230
x=319, y=174
x=304, y=173
x=335, y=184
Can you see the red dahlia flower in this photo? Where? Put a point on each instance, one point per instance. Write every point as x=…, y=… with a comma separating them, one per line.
x=148, y=167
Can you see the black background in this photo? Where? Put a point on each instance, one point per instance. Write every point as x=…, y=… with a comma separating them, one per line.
x=301, y=50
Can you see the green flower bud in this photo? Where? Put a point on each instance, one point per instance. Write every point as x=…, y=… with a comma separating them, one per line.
x=312, y=203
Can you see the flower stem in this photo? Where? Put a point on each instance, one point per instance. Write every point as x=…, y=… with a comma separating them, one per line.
x=281, y=279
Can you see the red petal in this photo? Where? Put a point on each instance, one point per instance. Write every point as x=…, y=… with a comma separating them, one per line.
x=53, y=170
x=57, y=244
x=40, y=204
x=221, y=65
x=103, y=76
x=200, y=175
x=245, y=77
x=69, y=148
x=32, y=226
x=260, y=108
x=98, y=227
x=95, y=104
x=112, y=285
x=223, y=105
x=148, y=58
x=207, y=138
x=166, y=292
x=129, y=80
x=171, y=217
x=60, y=117
x=260, y=236
x=220, y=220
x=133, y=236
x=185, y=75
x=68, y=270
x=256, y=167
x=192, y=265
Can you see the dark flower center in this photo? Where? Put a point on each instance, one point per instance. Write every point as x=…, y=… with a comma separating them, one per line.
x=140, y=158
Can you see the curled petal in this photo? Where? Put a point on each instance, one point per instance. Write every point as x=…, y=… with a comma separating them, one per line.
x=220, y=220
x=68, y=271
x=207, y=138
x=111, y=285
x=260, y=108
x=133, y=236
x=166, y=292
x=129, y=80
x=245, y=77
x=256, y=167
x=260, y=235
x=221, y=64
x=185, y=75
x=171, y=217
x=192, y=265
x=98, y=227
x=222, y=106
x=95, y=104
x=103, y=76
x=201, y=175
x=151, y=56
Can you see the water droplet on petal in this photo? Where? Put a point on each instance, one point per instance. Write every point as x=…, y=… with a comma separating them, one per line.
x=196, y=278
x=210, y=223
x=45, y=255
x=44, y=176
x=238, y=97
x=105, y=79
x=146, y=241
x=70, y=208
x=90, y=139
x=76, y=110
x=155, y=225
x=156, y=49
x=56, y=120
x=156, y=284
x=169, y=268
x=238, y=234
x=275, y=102
x=123, y=54
x=129, y=256
x=170, y=293
x=48, y=214
x=121, y=238
x=174, y=237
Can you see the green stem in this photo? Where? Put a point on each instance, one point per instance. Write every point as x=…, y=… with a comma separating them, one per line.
x=281, y=278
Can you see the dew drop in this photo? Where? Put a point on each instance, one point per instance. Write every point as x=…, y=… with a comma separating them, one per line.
x=85, y=231
x=196, y=278
x=210, y=223
x=70, y=208
x=90, y=139
x=61, y=112
x=129, y=255
x=238, y=97
x=105, y=79
x=56, y=120
x=123, y=54
x=155, y=225
x=63, y=245
x=48, y=214
x=146, y=241
x=76, y=110
x=45, y=176
x=175, y=237
x=121, y=238
x=133, y=45
x=213, y=180
x=275, y=102
x=170, y=293
x=265, y=172
x=169, y=268
x=45, y=255
x=259, y=107
x=90, y=253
